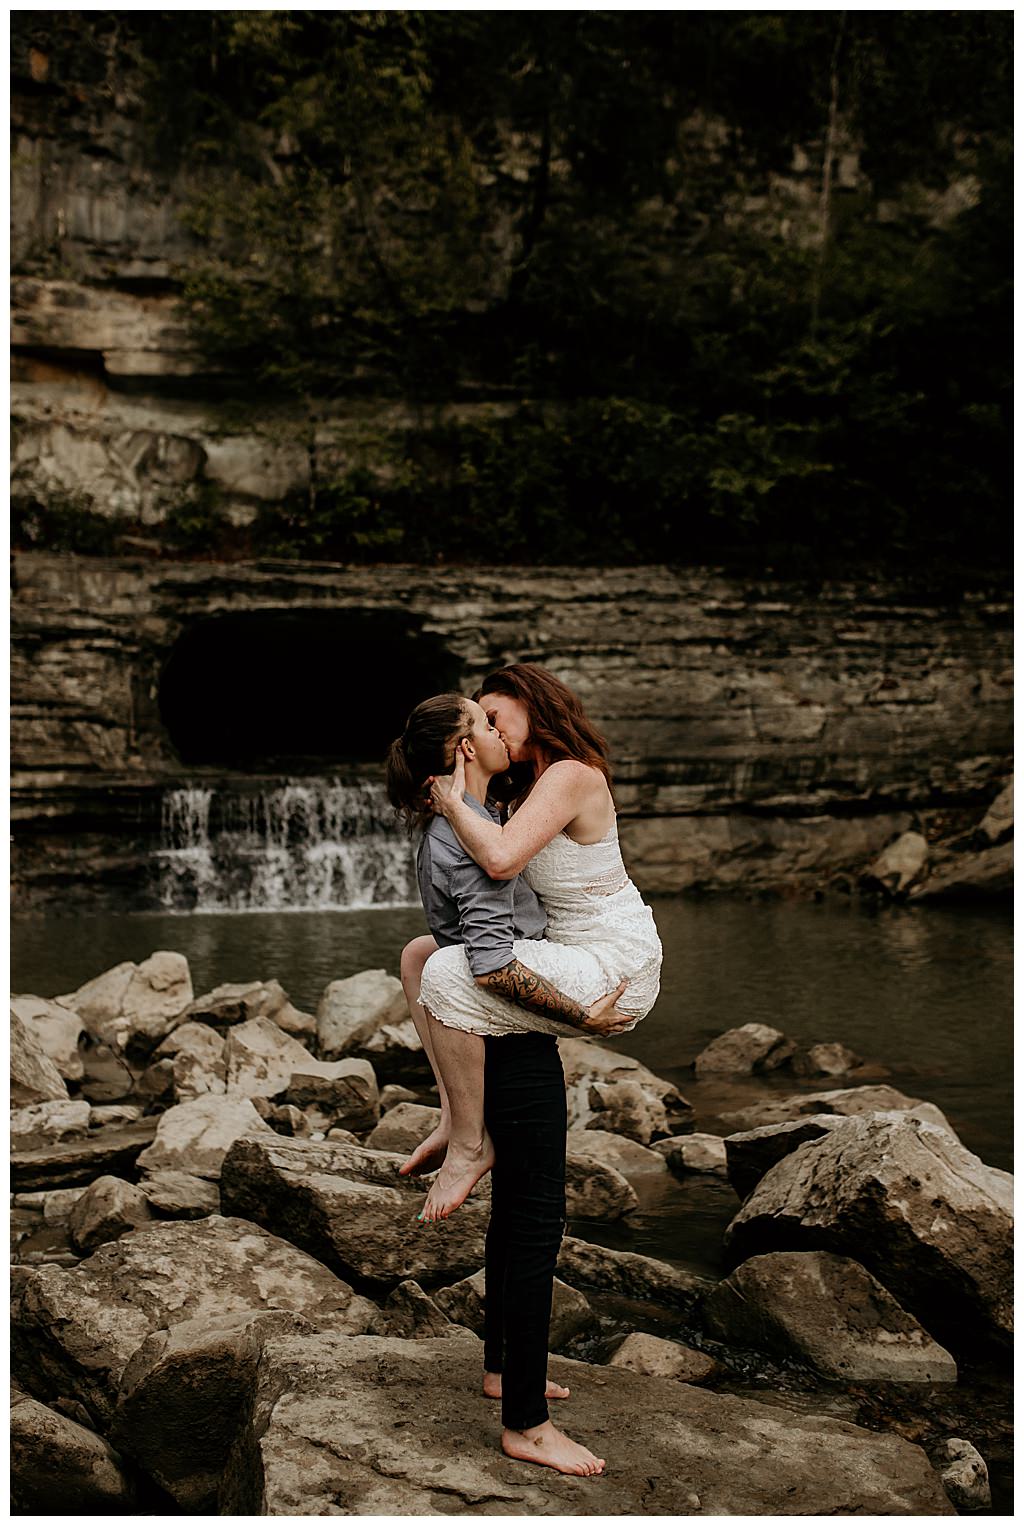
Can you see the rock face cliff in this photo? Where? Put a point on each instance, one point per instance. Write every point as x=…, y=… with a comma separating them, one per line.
x=764, y=735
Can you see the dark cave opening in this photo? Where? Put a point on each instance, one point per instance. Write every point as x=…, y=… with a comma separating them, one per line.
x=302, y=690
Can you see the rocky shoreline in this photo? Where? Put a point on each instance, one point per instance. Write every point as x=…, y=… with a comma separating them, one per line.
x=223, y=1303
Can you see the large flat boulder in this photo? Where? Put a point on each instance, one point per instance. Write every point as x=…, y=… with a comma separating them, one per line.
x=260, y=1058
x=46, y=1123
x=131, y=1007
x=752, y=1152
x=627, y=1273
x=74, y=1162
x=843, y=1101
x=364, y=1426
x=745, y=1051
x=73, y=1332
x=349, y=1207
x=59, y=1467
x=827, y=1311
x=195, y=1136
x=351, y=1011
x=57, y=1031
x=930, y=1220
x=623, y=1155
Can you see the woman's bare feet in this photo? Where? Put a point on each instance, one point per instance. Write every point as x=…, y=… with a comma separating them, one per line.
x=492, y=1387
x=456, y=1179
x=429, y=1153
x=552, y=1449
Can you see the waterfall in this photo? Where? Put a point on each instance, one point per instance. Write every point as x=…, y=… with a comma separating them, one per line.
x=304, y=844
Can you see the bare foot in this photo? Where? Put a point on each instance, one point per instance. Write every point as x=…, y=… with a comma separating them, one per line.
x=429, y=1154
x=492, y=1387
x=456, y=1179
x=552, y=1448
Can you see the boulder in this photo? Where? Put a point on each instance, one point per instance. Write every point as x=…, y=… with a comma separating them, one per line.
x=697, y=1152
x=106, y=1074
x=825, y=1060
x=44, y=1123
x=34, y=1076
x=179, y=1195
x=350, y=1011
x=228, y=1004
x=846, y=1101
x=114, y=1114
x=391, y=1095
x=285, y=1118
x=59, y=1467
x=57, y=1031
x=464, y=1301
x=587, y=1266
x=75, y=1162
x=395, y=1050
x=199, y=1060
x=57, y=1205
x=587, y=1063
x=964, y=1474
x=335, y=1093
x=195, y=1136
x=745, y=1051
x=827, y=1311
x=107, y=1209
x=750, y=1154
x=73, y=1332
x=349, y=1207
x=403, y=1127
x=261, y=1059
x=415, y=1316
x=156, y=1083
x=596, y=1191
x=899, y=865
x=653, y=1357
x=183, y=1393
x=926, y=1217
x=362, y=1425
x=623, y=1155
x=969, y=876
x=626, y=1108
x=133, y=1006
x=997, y=822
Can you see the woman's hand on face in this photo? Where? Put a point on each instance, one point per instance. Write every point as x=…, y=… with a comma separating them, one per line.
x=447, y=790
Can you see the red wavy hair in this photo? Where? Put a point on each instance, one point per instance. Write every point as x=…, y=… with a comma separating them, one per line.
x=559, y=726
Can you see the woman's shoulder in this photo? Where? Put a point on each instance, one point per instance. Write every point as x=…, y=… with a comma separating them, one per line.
x=573, y=773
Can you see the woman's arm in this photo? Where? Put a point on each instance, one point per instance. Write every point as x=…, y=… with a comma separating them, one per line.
x=502, y=852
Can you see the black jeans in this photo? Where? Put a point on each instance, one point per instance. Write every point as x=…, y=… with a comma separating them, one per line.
x=525, y=1112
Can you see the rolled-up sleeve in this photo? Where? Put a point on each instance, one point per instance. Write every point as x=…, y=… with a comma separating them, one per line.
x=485, y=915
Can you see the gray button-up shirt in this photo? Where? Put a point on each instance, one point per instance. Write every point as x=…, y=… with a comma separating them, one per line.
x=464, y=905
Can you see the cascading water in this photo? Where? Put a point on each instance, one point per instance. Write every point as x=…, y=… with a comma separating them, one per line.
x=304, y=844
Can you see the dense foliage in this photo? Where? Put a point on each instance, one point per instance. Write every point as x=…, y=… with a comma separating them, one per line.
x=740, y=279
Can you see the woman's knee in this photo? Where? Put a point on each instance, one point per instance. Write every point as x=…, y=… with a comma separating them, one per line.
x=414, y=957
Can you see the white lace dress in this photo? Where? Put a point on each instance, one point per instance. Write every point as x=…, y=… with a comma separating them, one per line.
x=600, y=931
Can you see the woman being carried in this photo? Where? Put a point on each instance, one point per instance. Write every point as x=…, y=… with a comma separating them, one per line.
x=561, y=835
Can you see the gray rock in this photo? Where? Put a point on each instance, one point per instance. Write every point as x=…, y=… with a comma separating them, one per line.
x=828, y=1311
x=395, y=1049
x=234, y=1003
x=751, y=1153
x=464, y=1303
x=59, y=1467
x=403, y=1127
x=335, y=1093
x=697, y=1152
x=107, y=1209
x=997, y=822
x=350, y=1011
x=195, y=1136
x=76, y=1162
x=179, y=1195
x=44, y=1123
x=194, y=1381
x=623, y=1155
x=964, y=1474
x=261, y=1059
x=847, y=1101
x=287, y=1119
x=587, y=1063
x=57, y=1205
x=341, y=1423
x=57, y=1031
x=114, y=1114
x=825, y=1060
x=391, y=1095
x=413, y=1314
x=899, y=865
x=969, y=876
x=585, y=1266
x=653, y=1357
x=349, y=1207
x=624, y=1107
x=926, y=1217
x=199, y=1060
x=745, y=1051
x=73, y=1332
x=34, y=1076
x=594, y=1190
x=133, y=1006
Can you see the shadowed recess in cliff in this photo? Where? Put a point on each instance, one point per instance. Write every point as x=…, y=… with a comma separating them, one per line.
x=298, y=688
